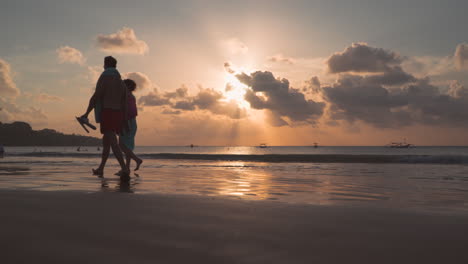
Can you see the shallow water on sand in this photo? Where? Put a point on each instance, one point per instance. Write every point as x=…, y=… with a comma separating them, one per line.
x=430, y=186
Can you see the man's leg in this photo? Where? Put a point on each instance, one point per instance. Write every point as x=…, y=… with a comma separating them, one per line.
x=118, y=153
x=105, y=154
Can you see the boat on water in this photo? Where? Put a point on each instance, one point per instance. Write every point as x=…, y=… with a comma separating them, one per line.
x=263, y=145
x=400, y=145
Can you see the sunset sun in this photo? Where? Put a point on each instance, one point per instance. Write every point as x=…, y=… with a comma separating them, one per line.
x=235, y=90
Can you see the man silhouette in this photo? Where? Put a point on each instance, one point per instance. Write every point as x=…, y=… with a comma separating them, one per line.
x=109, y=102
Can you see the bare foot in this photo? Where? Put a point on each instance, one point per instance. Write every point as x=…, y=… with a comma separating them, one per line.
x=139, y=162
x=98, y=172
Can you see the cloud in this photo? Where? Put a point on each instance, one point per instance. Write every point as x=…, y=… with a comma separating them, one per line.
x=280, y=58
x=312, y=85
x=46, y=98
x=180, y=92
x=154, y=98
x=143, y=82
x=171, y=112
x=10, y=112
x=67, y=54
x=211, y=100
x=236, y=46
x=124, y=41
x=206, y=99
x=423, y=66
x=359, y=57
x=393, y=98
x=267, y=92
x=228, y=67
x=461, y=56
x=7, y=85
x=93, y=73
x=184, y=105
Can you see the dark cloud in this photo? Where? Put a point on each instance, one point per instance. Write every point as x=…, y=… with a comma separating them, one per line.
x=395, y=76
x=228, y=67
x=354, y=98
x=153, y=99
x=123, y=41
x=206, y=99
x=312, y=85
x=461, y=56
x=210, y=100
x=228, y=87
x=359, y=57
x=179, y=93
x=184, y=105
x=390, y=97
x=267, y=92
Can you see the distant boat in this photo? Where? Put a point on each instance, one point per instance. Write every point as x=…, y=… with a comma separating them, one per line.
x=263, y=145
x=400, y=145
x=315, y=145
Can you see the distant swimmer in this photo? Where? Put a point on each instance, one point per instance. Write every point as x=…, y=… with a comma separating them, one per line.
x=78, y=149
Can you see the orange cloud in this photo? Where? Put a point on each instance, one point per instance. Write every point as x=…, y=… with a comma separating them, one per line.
x=123, y=41
x=7, y=85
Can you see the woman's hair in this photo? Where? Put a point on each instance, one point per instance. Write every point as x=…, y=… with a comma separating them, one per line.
x=131, y=85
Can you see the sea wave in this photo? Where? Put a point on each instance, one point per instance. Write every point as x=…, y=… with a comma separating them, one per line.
x=291, y=158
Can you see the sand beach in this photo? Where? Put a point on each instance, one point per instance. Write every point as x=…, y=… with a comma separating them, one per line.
x=83, y=227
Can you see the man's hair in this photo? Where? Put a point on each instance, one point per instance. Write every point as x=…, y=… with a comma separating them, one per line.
x=131, y=85
x=110, y=61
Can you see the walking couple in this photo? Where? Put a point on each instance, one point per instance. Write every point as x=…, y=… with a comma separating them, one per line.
x=115, y=109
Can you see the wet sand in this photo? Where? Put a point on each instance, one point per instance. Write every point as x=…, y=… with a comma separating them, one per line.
x=79, y=227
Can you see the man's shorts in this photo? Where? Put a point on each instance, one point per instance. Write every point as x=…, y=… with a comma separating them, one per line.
x=111, y=120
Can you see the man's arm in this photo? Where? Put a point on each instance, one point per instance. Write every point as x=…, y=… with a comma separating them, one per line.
x=91, y=105
x=97, y=94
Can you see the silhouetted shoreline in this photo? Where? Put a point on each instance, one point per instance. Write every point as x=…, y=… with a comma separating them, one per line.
x=21, y=134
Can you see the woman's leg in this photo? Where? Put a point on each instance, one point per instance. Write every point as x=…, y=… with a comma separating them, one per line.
x=128, y=153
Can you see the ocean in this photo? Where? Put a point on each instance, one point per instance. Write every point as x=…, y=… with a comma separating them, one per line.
x=429, y=178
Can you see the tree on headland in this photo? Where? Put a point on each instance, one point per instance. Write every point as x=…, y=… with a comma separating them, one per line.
x=22, y=134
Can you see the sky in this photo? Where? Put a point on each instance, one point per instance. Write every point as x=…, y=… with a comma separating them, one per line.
x=245, y=72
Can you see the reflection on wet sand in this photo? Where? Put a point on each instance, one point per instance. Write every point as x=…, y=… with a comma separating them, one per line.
x=387, y=185
x=14, y=170
x=119, y=185
x=241, y=182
